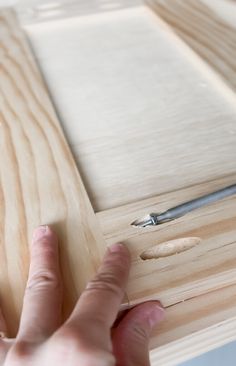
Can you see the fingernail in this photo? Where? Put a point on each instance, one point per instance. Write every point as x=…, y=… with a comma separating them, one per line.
x=40, y=232
x=116, y=247
x=156, y=315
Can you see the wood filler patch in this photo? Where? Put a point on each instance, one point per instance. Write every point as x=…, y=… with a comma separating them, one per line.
x=170, y=248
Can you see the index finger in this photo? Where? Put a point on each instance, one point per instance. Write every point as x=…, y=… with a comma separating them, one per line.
x=104, y=293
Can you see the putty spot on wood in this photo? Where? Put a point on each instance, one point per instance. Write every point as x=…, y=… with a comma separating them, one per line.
x=170, y=248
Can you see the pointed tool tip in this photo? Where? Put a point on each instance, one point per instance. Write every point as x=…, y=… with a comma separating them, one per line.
x=143, y=222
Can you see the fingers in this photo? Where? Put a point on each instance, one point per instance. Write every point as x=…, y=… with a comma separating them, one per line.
x=43, y=296
x=101, y=300
x=3, y=334
x=131, y=338
x=3, y=326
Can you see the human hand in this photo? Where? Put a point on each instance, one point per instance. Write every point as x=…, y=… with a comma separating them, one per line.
x=88, y=337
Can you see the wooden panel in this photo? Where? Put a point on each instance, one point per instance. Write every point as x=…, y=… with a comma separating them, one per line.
x=38, y=11
x=145, y=133
x=132, y=103
x=119, y=83
x=206, y=267
x=39, y=182
x=212, y=321
x=203, y=29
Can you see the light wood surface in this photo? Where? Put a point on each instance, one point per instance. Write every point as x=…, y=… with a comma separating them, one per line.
x=204, y=30
x=111, y=167
x=34, y=11
x=211, y=318
x=133, y=125
x=206, y=267
x=171, y=247
x=150, y=127
x=39, y=179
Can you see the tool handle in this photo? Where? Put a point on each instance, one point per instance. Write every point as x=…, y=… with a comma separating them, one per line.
x=186, y=207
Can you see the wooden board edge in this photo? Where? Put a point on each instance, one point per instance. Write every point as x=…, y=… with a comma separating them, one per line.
x=225, y=86
x=212, y=319
x=194, y=345
x=39, y=180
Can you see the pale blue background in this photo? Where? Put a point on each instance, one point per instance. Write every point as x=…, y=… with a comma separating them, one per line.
x=224, y=356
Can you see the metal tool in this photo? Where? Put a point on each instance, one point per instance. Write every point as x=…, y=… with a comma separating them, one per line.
x=181, y=210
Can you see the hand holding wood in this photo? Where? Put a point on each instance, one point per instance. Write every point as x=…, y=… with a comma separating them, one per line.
x=89, y=336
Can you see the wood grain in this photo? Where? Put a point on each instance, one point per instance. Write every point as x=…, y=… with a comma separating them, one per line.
x=124, y=150
x=205, y=31
x=197, y=287
x=39, y=180
x=133, y=126
x=117, y=80
x=211, y=318
x=168, y=248
x=206, y=267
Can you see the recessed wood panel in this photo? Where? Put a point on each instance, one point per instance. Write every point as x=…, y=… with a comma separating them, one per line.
x=140, y=113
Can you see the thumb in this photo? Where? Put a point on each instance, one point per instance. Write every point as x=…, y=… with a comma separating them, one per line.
x=131, y=337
